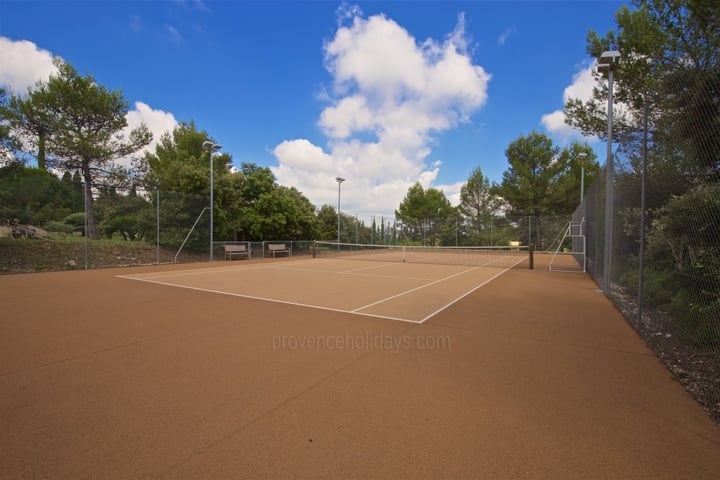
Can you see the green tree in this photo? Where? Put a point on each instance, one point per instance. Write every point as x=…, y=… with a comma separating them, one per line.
x=30, y=118
x=250, y=205
x=81, y=125
x=122, y=213
x=578, y=160
x=478, y=204
x=72, y=191
x=532, y=184
x=670, y=64
x=181, y=164
x=253, y=183
x=32, y=195
x=684, y=252
x=423, y=213
x=282, y=214
x=352, y=230
x=670, y=61
x=179, y=167
x=8, y=141
x=327, y=223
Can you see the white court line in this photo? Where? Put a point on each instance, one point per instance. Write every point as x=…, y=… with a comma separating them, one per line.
x=227, y=268
x=191, y=272
x=375, y=275
x=351, y=272
x=415, y=289
x=273, y=300
x=468, y=293
x=369, y=267
x=376, y=265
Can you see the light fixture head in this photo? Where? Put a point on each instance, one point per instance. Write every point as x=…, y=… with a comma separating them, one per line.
x=211, y=145
x=609, y=58
x=339, y=179
x=607, y=61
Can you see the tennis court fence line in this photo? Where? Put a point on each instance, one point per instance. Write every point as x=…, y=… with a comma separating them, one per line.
x=652, y=224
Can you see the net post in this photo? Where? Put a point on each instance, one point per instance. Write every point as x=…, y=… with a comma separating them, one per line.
x=531, y=251
x=314, y=249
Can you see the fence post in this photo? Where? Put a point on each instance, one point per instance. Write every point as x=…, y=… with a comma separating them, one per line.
x=643, y=180
x=157, y=221
x=609, y=189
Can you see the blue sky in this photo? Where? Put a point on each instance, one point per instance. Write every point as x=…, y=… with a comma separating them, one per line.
x=382, y=93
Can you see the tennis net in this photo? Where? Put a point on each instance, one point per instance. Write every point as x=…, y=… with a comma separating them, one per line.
x=502, y=256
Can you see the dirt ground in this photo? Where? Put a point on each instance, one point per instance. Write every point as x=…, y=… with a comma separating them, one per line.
x=534, y=375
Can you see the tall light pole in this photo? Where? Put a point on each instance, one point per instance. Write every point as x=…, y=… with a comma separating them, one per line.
x=339, y=181
x=606, y=65
x=582, y=156
x=211, y=147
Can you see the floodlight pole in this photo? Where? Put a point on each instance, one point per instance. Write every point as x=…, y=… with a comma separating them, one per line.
x=606, y=64
x=339, y=181
x=85, y=217
x=211, y=146
x=582, y=156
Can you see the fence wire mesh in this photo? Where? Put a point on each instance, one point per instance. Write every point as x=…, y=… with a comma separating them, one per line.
x=665, y=240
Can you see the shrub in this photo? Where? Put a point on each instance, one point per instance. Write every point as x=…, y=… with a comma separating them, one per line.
x=696, y=321
x=59, y=227
x=658, y=287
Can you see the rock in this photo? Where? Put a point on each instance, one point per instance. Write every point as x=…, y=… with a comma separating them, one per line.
x=39, y=232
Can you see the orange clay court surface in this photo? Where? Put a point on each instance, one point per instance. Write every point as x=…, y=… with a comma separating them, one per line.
x=332, y=368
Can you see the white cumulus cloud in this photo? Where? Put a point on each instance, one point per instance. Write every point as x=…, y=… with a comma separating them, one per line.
x=22, y=64
x=157, y=121
x=580, y=88
x=391, y=96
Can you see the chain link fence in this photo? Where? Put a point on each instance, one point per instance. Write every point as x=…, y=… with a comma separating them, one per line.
x=662, y=267
x=135, y=229
x=543, y=231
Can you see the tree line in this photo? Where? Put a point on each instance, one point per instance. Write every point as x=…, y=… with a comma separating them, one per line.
x=542, y=180
x=75, y=128
x=72, y=125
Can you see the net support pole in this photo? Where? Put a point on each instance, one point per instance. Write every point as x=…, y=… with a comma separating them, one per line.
x=531, y=253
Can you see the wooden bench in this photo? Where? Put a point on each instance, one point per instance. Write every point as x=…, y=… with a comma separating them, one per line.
x=278, y=248
x=235, y=250
x=514, y=245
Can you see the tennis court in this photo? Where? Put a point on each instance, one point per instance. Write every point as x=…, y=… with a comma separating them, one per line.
x=284, y=368
x=410, y=285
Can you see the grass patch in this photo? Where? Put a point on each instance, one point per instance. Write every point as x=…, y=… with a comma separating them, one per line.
x=68, y=253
